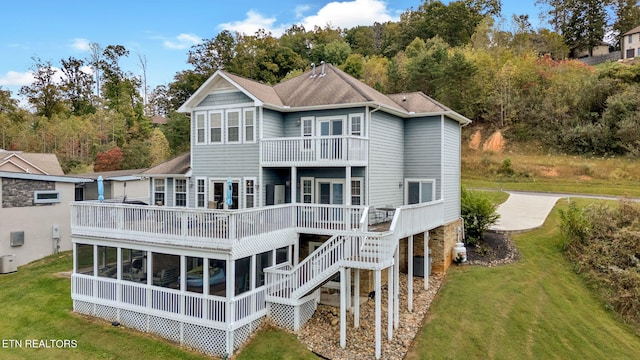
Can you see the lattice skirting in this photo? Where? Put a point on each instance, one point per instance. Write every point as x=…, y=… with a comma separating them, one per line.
x=201, y=338
x=285, y=315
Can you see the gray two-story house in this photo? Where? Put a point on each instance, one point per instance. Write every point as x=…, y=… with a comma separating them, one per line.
x=319, y=181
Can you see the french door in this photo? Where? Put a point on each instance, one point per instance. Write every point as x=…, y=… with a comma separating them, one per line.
x=221, y=193
x=330, y=131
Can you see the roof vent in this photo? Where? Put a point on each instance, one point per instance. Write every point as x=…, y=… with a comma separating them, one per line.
x=313, y=70
x=322, y=73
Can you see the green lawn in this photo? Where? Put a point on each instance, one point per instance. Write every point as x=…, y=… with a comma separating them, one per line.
x=536, y=308
x=36, y=305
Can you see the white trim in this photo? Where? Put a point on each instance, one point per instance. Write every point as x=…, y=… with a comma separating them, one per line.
x=245, y=193
x=420, y=182
x=154, y=192
x=47, y=199
x=186, y=192
x=244, y=125
x=210, y=127
x=205, y=127
x=204, y=192
x=226, y=126
x=8, y=158
x=302, y=193
x=362, y=127
x=330, y=119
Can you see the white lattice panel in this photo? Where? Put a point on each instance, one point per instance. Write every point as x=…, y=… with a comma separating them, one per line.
x=307, y=310
x=241, y=335
x=282, y=315
x=134, y=320
x=108, y=313
x=168, y=329
x=209, y=341
x=83, y=307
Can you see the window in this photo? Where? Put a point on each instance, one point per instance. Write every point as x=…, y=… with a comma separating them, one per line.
x=215, y=127
x=243, y=275
x=233, y=126
x=249, y=125
x=356, y=192
x=282, y=255
x=200, y=128
x=419, y=191
x=355, y=125
x=158, y=191
x=84, y=259
x=630, y=39
x=263, y=260
x=307, y=190
x=46, y=197
x=180, y=189
x=200, y=193
x=306, y=130
x=249, y=193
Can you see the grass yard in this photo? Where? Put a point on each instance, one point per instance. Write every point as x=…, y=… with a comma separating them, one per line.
x=526, y=170
x=536, y=308
x=36, y=305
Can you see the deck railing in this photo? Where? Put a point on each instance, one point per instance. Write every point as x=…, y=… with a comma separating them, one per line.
x=154, y=299
x=309, y=151
x=206, y=227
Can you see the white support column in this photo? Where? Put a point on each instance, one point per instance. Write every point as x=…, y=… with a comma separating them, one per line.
x=343, y=308
x=205, y=287
x=391, y=285
x=378, y=296
x=410, y=275
x=348, y=281
x=294, y=184
x=119, y=275
x=396, y=303
x=347, y=185
x=427, y=260
x=183, y=288
x=356, y=296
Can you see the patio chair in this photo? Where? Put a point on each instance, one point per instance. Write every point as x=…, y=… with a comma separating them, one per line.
x=165, y=277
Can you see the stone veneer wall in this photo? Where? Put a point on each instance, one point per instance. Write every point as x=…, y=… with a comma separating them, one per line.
x=442, y=240
x=19, y=192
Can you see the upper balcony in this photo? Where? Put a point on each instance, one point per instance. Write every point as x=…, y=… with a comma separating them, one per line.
x=315, y=151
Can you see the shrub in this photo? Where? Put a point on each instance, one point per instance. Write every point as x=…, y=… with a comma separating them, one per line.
x=478, y=213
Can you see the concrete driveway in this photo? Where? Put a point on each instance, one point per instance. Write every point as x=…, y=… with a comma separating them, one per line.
x=524, y=211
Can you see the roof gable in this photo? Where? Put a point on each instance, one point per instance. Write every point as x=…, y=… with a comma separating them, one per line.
x=179, y=165
x=32, y=163
x=635, y=30
x=324, y=87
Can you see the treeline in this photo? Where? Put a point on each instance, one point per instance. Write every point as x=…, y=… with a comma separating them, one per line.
x=520, y=80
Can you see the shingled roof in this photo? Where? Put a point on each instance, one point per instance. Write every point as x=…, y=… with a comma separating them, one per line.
x=179, y=165
x=31, y=163
x=322, y=87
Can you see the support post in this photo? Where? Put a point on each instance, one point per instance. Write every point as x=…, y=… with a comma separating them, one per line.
x=356, y=297
x=378, y=296
x=410, y=275
x=427, y=260
x=390, y=295
x=396, y=303
x=343, y=308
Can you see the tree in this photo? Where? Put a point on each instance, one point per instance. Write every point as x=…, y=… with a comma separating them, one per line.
x=212, y=54
x=44, y=94
x=109, y=160
x=159, y=150
x=76, y=86
x=478, y=213
x=177, y=132
x=627, y=17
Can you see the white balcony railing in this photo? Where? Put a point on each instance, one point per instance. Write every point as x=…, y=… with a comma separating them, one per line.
x=314, y=151
x=205, y=227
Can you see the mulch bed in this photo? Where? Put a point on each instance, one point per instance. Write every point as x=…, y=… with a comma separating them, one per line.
x=496, y=248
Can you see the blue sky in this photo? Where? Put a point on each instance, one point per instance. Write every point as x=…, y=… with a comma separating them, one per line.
x=163, y=31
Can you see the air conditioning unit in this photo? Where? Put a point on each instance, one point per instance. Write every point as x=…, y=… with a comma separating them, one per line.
x=8, y=264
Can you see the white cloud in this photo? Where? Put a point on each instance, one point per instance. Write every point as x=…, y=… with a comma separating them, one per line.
x=81, y=44
x=14, y=78
x=252, y=23
x=182, y=41
x=349, y=14
x=300, y=10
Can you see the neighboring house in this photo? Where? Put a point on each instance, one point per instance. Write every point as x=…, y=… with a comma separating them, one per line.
x=317, y=181
x=119, y=186
x=631, y=43
x=168, y=183
x=34, y=207
x=599, y=50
